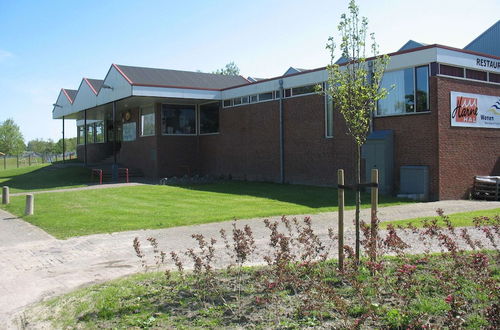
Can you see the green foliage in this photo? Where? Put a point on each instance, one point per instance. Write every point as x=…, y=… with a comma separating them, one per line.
x=70, y=145
x=11, y=139
x=42, y=147
x=355, y=86
x=231, y=69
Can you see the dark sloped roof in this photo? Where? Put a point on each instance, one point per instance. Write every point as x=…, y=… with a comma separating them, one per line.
x=183, y=79
x=95, y=83
x=71, y=93
x=487, y=42
x=410, y=44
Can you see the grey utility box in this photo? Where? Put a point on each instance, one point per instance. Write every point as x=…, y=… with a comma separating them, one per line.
x=414, y=182
x=378, y=152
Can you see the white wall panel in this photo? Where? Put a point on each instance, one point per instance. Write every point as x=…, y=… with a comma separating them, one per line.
x=65, y=109
x=176, y=93
x=85, y=98
x=121, y=87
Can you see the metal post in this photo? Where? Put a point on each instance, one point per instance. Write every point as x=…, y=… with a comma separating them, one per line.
x=63, y=144
x=114, y=168
x=4, y=162
x=5, y=195
x=282, y=135
x=374, y=222
x=340, y=177
x=85, y=137
x=30, y=204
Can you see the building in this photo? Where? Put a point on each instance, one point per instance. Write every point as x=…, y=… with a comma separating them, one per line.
x=441, y=121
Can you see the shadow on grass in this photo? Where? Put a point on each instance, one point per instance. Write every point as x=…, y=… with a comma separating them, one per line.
x=48, y=177
x=311, y=196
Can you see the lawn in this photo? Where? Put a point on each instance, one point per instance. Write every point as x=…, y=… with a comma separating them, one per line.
x=44, y=177
x=463, y=219
x=151, y=207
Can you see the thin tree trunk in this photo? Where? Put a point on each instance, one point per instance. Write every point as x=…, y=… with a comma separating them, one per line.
x=358, y=199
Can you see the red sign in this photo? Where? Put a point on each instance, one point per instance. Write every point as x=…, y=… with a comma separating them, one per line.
x=465, y=110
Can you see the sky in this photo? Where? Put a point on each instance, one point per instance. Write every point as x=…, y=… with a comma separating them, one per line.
x=48, y=45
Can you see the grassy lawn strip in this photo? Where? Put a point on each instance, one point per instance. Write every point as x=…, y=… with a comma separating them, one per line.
x=152, y=300
x=44, y=177
x=151, y=207
x=463, y=219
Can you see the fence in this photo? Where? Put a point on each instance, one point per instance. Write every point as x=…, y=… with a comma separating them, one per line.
x=10, y=162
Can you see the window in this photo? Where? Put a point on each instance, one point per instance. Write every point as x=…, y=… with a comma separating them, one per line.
x=266, y=96
x=253, y=98
x=476, y=75
x=148, y=121
x=209, y=118
x=244, y=99
x=276, y=94
x=422, y=88
x=178, y=119
x=288, y=92
x=237, y=101
x=451, y=70
x=227, y=103
x=494, y=77
x=410, y=93
x=79, y=135
x=329, y=116
x=303, y=90
x=90, y=133
x=99, y=132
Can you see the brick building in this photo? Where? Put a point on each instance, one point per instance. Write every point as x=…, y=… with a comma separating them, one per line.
x=439, y=126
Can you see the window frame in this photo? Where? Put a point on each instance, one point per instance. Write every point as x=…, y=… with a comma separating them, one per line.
x=141, y=120
x=181, y=134
x=199, y=120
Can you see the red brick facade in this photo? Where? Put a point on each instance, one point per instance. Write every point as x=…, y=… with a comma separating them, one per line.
x=247, y=146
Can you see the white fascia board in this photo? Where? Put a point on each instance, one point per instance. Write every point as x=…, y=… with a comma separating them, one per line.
x=302, y=79
x=448, y=56
x=412, y=59
x=85, y=98
x=182, y=93
x=64, y=108
x=121, y=88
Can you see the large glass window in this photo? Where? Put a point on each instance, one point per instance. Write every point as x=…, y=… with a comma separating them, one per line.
x=90, y=133
x=148, y=121
x=80, y=134
x=99, y=132
x=422, y=89
x=178, y=119
x=209, y=118
x=408, y=91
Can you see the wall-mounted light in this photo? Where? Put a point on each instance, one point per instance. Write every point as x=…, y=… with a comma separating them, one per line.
x=107, y=86
x=57, y=105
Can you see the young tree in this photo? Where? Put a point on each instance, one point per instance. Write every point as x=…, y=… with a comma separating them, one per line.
x=11, y=139
x=231, y=69
x=354, y=85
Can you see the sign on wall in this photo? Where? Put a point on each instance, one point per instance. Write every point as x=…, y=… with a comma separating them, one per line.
x=475, y=110
x=129, y=131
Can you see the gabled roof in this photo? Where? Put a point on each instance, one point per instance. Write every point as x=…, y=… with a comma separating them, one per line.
x=175, y=78
x=94, y=84
x=70, y=94
x=292, y=70
x=487, y=42
x=410, y=44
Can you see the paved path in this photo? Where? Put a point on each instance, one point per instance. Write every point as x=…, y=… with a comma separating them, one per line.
x=34, y=265
x=91, y=187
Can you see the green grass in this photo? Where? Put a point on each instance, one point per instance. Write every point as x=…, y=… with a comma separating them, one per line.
x=150, y=207
x=11, y=162
x=44, y=177
x=463, y=219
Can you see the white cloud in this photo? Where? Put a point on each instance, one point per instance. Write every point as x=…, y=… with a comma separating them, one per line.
x=5, y=55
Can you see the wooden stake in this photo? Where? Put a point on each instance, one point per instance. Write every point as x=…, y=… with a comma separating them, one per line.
x=340, y=177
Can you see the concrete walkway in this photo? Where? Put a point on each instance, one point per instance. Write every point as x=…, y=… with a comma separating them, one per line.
x=34, y=265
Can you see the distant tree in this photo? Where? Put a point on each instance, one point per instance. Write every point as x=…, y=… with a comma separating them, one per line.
x=42, y=147
x=11, y=139
x=69, y=143
x=355, y=86
x=231, y=69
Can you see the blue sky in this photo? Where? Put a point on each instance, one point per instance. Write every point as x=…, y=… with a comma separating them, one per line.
x=46, y=45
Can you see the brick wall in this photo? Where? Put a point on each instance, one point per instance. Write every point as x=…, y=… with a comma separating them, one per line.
x=464, y=152
x=415, y=141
